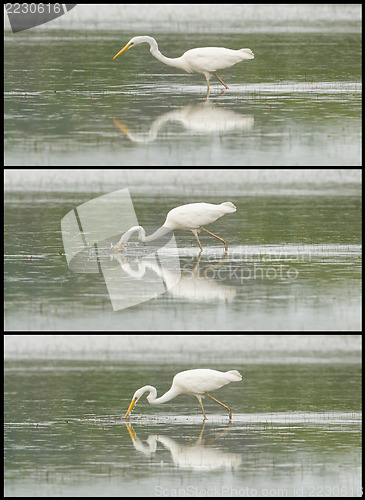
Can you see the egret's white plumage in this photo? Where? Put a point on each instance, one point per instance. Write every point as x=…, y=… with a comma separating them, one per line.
x=193, y=382
x=204, y=60
x=190, y=217
x=196, y=215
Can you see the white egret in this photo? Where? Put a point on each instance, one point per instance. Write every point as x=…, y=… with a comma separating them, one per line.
x=191, y=217
x=193, y=382
x=204, y=60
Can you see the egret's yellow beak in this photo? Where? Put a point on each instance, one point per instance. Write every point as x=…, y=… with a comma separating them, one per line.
x=123, y=49
x=131, y=406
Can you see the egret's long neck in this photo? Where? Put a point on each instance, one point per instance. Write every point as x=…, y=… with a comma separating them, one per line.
x=170, y=61
x=128, y=234
x=161, y=231
x=142, y=235
x=163, y=399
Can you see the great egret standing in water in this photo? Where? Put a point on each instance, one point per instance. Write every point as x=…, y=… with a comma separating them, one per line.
x=193, y=382
x=204, y=60
x=190, y=217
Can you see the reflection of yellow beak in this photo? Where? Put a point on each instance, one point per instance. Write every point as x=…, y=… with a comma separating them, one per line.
x=123, y=50
x=120, y=125
x=131, y=406
x=130, y=430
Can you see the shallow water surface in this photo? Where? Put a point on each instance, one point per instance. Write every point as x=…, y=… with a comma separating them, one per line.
x=294, y=263
x=296, y=430
x=297, y=103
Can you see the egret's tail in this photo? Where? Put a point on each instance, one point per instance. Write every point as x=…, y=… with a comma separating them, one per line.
x=234, y=375
x=228, y=206
x=247, y=54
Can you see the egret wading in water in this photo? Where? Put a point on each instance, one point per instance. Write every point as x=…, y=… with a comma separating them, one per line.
x=191, y=217
x=204, y=60
x=193, y=382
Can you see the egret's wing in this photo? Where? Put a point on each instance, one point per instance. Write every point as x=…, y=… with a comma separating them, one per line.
x=212, y=59
x=194, y=215
x=202, y=380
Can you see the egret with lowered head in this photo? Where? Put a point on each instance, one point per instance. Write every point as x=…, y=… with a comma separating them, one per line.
x=191, y=217
x=193, y=382
x=204, y=60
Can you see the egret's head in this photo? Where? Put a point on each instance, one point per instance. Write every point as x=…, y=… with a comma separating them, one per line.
x=135, y=41
x=129, y=44
x=135, y=399
x=138, y=394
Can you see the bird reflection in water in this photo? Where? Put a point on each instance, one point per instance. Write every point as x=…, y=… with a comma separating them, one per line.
x=198, y=455
x=199, y=119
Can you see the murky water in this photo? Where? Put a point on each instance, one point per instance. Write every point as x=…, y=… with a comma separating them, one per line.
x=296, y=428
x=297, y=103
